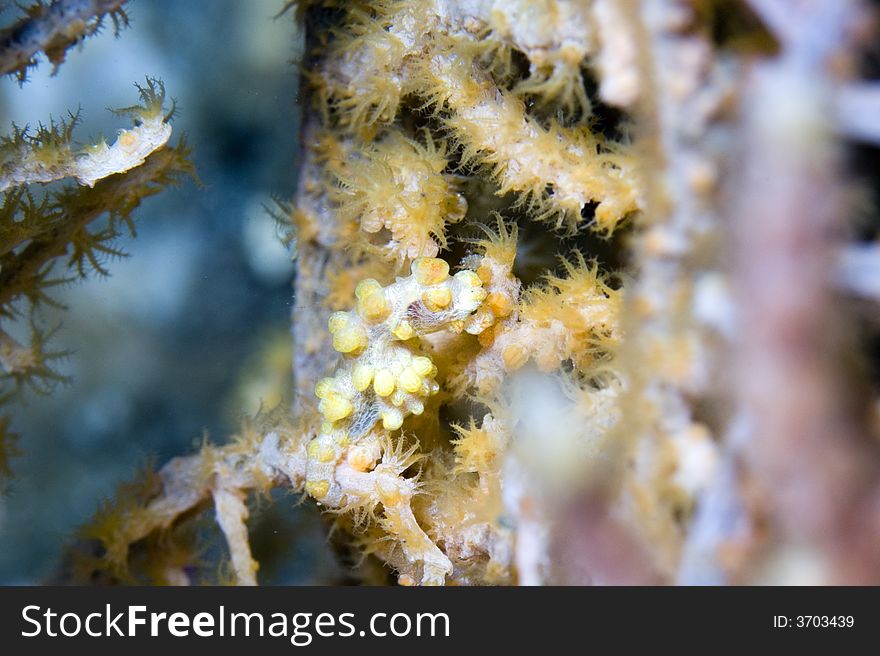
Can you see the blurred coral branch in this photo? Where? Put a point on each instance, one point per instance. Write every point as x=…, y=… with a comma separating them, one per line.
x=53, y=29
x=808, y=448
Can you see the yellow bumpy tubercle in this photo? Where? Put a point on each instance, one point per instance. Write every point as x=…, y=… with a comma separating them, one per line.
x=323, y=388
x=336, y=321
x=348, y=335
x=320, y=451
x=410, y=381
x=500, y=304
x=469, y=278
x=514, y=356
x=437, y=298
x=383, y=383
x=367, y=287
x=392, y=419
x=349, y=340
x=422, y=365
x=372, y=306
x=361, y=376
x=318, y=489
x=430, y=270
x=400, y=380
x=335, y=407
x=403, y=331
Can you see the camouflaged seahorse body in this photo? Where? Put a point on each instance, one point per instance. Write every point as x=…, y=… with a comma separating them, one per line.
x=384, y=377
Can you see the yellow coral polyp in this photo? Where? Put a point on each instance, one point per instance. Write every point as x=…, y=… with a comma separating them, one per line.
x=475, y=449
x=363, y=457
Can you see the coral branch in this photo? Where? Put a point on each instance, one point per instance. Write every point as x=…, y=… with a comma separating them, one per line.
x=46, y=156
x=806, y=441
x=23, y=272
x=53, y=29
x=561, y=169
x=436, y=55
x=254, y=460
x=231, y=513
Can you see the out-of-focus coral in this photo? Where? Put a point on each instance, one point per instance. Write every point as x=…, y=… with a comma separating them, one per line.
x=53, y=28
x=464, y=422
x=53, y=233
